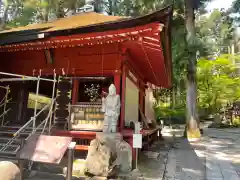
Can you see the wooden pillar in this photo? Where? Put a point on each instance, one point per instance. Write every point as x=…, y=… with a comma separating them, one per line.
x=141, y=100
x=123, y=94
x=22, y=101
x=75, y=91
x=168, y=55
x=117, y=82
x=25, y=102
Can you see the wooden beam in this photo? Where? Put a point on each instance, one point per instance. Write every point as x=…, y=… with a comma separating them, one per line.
x=131, y=67
x=166, y=38
x=98, y=38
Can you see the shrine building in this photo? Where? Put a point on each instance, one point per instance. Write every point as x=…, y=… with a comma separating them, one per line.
x=68, y=63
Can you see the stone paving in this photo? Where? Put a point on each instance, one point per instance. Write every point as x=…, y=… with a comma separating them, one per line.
x=152, y=163
x=214, y=157
x=220, y=148
x=183, y=163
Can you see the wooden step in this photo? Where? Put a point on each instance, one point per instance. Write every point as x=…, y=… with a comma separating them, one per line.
x=81, y=147
x=75, y=134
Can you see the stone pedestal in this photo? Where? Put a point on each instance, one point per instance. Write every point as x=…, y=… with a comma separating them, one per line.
x=108, y=154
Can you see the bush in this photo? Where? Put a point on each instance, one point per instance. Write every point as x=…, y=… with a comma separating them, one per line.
x=170, y=116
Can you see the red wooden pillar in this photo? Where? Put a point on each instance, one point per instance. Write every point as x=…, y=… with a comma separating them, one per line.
x=123, y=94
x=75, y=91
x=117, y=82
x=141, y=97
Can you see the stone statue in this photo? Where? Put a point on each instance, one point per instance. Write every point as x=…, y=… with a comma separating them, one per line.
x=111, y=108
x=9, y=171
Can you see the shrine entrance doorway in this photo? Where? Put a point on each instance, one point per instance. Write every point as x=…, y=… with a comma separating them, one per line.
x=92, y=89
x=86, y=113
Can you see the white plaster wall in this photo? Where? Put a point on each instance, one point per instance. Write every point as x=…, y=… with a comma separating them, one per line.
x=131, y=102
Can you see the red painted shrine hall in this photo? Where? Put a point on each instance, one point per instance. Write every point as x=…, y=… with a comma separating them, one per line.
x=91, y=51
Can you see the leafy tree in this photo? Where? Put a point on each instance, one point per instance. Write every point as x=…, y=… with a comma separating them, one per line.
x=236, y=6
x=215, y=31
x=25, y=16
x=217, y=83
x=9, y=9
x=23, y=12
x=191, y=103
x=192, y=121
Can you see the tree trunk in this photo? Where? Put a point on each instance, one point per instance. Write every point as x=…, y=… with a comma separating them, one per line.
x=18, y=8
x=72, y=7
x=192, y=123
x=110, y=4
x=173, y=97
x=3, y=20
x=46, y=11
x=60, y=9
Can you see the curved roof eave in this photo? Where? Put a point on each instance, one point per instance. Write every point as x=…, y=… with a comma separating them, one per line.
x=33, y=34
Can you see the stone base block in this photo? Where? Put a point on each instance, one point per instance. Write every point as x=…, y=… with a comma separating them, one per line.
x=108, y=154
x=9, y=171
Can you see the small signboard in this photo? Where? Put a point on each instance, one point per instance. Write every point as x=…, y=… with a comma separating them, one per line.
x=137, y=141
x=46, y=149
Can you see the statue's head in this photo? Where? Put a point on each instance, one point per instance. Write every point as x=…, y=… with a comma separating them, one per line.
x=112, y=90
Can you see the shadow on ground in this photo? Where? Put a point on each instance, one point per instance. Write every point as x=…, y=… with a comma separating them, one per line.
x=215, y=156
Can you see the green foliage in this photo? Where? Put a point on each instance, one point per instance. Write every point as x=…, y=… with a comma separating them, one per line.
x=215, y=31
x=27, y=15
x=139, y=7
x=171, y=116
x=236, y=121
x=161, y=96
x=164, y=112
x=218, y=84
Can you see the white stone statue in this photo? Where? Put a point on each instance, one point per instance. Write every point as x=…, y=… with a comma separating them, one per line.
x=111, y=108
